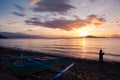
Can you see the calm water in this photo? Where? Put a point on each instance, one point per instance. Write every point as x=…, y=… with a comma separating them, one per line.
x=81, y=48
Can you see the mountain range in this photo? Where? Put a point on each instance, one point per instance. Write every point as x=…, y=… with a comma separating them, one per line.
x=19, y=35
x=27, y=36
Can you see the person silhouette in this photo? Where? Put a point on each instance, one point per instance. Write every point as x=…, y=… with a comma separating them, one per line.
x=101, y=53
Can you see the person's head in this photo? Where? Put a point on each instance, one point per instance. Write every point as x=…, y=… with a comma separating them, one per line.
x=100, y=50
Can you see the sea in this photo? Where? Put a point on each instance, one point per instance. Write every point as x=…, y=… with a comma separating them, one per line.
x=84, y=48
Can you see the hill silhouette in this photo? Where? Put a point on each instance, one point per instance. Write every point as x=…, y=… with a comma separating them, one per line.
x=2, y=37
x=27, y=36
x=19, y=35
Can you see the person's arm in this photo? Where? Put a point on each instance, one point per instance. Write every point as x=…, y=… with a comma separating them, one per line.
x=103, y=53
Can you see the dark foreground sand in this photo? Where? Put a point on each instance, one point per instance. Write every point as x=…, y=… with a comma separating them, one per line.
x=82, y=70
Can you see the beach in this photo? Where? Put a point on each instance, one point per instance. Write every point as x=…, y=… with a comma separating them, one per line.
x=82, y=70
x=60, y=40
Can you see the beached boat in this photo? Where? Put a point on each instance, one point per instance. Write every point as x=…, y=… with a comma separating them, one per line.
x=27, y=65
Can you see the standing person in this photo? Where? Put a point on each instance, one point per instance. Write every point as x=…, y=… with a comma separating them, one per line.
x=101, y=56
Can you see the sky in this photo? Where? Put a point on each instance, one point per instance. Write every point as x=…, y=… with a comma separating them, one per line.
x=61, y=18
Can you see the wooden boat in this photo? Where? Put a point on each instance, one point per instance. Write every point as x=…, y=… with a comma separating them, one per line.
x=27, y=65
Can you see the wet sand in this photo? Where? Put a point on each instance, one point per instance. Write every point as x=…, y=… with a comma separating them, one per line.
x=82, y=70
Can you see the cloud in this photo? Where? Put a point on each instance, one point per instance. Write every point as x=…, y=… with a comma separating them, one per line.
x=118, y=18
x=35, y=18
x=115, y=22
x=10, y=23
x=57, y=6
x=1, y=25
x=35, y=29
x=29, y=30
x=115, y=35
x=20, y=11
x=83, y=4
x=93, y=19
x=68, y=24
x=20, y=8
x=92, y=1
x=104, y=15
x=18, y=14
x=33, y=2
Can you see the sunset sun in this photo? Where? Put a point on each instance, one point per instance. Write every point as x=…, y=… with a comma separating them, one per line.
x=83, y=33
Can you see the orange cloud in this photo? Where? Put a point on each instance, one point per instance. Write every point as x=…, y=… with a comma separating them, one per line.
x=115, y=23
x=29, y=30
x=33, y=2
x=68, y=25
x=115, y=35
x=93, y=19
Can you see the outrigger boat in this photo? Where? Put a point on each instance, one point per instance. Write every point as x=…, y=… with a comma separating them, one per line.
x=27, y=65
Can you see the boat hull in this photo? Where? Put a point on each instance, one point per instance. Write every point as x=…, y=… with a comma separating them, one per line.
x=31, y=67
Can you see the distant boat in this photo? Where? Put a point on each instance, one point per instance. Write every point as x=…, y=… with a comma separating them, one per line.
x=27, y=65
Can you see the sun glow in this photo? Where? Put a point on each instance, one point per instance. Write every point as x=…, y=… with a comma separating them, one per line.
x=83, y=33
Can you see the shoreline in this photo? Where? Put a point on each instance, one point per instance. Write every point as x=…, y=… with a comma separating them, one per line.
x=82, y=70
x=31, y=52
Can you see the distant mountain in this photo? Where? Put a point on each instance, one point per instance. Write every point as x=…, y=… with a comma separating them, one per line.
x=90, y=36
x=2, y=37
x=19, y=35
x=23, y=35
